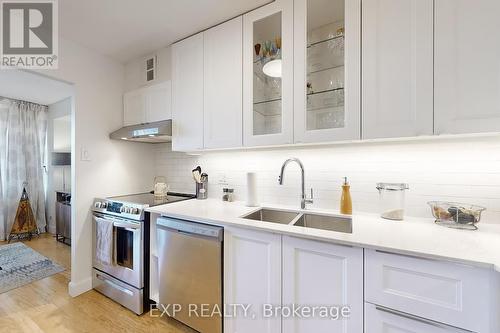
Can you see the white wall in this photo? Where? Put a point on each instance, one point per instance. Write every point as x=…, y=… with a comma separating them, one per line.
x=62, y=133
x=134, y=70
x=58, y=139
x=464, y=170
x=114, y=167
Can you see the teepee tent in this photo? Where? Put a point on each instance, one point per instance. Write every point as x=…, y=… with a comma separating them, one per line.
x=24, y=224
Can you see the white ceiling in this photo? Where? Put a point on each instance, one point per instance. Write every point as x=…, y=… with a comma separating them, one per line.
x=32, y=87
x=127, y=29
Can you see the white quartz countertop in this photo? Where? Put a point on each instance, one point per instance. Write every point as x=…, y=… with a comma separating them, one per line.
x=413, y=236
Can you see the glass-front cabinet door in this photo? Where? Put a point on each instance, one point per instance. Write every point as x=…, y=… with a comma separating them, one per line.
x=326, y=70
x=268, y=74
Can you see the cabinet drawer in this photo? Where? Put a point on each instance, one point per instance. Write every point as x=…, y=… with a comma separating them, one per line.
x=382, y=320
x=445, y=292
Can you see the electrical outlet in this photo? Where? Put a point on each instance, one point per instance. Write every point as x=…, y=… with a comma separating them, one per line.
x=221, y=179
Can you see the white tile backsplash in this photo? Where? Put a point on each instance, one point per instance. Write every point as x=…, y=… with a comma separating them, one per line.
x=459, y=169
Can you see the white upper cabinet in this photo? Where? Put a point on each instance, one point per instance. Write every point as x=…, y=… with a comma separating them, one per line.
x=134, y=108
x=223, y=124
x=397, y=79
x=159, y=102
x=187, y=94
x=317, y=273
x=148, y=104
x=268, y=75
x=467, y=66
x=327, y=70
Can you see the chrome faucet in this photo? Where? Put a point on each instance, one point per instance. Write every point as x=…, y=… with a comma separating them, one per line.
x=303, y=199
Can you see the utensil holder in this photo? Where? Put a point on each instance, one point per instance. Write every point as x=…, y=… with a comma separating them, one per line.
x=202, y=190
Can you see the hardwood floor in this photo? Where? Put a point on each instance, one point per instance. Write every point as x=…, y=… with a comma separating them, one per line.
x=45, y=306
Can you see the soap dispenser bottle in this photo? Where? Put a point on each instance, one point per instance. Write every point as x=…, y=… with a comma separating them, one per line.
x=345, y=200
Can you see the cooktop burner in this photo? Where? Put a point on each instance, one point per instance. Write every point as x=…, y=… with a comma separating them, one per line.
x=148, y=199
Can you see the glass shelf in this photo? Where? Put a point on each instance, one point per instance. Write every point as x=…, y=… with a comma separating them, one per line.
x=325, y=69
x=325, y=100
x=325, y=55
x=324, y=91
x=267, y=101
x=324, y=41
x=268, y=108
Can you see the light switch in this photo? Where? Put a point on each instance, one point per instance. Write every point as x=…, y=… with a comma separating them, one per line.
x=85, y=155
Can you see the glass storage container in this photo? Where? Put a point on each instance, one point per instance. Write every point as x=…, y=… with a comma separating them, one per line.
x=392, y=200
x=228, y=194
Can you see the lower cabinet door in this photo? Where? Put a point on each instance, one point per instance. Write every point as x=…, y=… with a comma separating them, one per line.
x=252, y=279
x=320, y=282
x=383, y=320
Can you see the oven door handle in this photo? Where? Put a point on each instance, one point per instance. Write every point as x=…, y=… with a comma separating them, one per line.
x=126, y=226
x=119, y=223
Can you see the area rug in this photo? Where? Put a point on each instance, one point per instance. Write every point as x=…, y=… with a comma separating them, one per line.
x=20, y=265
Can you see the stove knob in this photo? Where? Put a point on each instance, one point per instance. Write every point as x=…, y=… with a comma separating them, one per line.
x=134, y=211
x=122, y=209
x=104, y=205
x=98, y=204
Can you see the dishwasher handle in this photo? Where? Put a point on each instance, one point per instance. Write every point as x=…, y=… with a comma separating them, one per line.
x=191, y=228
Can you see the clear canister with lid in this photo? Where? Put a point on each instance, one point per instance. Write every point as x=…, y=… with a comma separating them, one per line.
x=227, y=194
x=392, y=200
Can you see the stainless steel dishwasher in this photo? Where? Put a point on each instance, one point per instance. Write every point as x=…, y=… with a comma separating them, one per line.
x=190, y=266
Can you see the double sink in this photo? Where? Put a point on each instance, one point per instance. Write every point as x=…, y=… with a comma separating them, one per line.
x=302, y=219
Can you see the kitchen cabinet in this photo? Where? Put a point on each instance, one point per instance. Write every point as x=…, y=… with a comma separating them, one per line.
x=222, y=108
x=467, y=66
x=158, y=102
x=382, y=320
x=327, y=48
x=397, y=64
x=187, y=94
x=134, y=108
x=317, y=273
x=252, y=275
x=147, y=105
x=453, y=294
x=268, y=75
x=314, y=274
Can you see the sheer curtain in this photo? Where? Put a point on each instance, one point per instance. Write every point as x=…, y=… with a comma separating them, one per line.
x=23, y=136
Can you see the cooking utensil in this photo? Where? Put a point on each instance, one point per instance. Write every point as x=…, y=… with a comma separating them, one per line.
x=197, y=174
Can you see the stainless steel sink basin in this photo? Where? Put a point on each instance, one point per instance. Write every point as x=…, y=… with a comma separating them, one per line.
x=272, y=215
x=302, y=219
x=325, y=222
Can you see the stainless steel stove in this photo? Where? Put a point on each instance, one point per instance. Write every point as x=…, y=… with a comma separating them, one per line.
x=125, y=276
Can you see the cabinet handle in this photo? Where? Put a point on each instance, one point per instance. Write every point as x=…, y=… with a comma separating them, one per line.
x=405, y=255
x=427, y=259
x=420, y=319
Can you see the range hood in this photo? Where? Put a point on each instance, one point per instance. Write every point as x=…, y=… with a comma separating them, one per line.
x=157, y=132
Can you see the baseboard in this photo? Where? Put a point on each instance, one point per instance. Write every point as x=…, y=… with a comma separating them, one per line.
x=80, y=287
